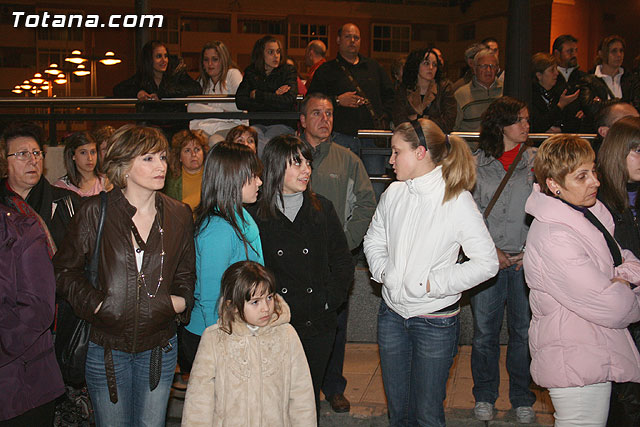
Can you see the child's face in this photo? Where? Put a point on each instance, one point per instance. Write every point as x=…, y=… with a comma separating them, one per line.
x=258, y=310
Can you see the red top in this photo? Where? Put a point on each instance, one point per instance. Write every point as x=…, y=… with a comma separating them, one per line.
x=312, y=70
x=508, y=157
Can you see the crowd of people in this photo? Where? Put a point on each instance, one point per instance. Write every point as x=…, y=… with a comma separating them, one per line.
x=228, y=247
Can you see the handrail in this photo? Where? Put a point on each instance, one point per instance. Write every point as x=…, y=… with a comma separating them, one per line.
x=468, y=135
x=99, y=100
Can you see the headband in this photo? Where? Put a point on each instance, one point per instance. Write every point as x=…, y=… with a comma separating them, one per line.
x=418, y=130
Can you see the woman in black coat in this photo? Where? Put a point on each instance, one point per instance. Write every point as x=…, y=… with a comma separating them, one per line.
x=159, y=76
x=305, y=247
x=619, y=173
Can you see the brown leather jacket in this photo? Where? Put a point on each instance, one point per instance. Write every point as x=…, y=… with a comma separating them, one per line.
x=129, y=320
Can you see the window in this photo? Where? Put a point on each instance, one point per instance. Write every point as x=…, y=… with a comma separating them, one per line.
x=169, y=33
x=17, y=57
x=301, y=34
x=391, y=38
x=430, y=32
x=466, y=32
x=262, y=26
x=210, y=24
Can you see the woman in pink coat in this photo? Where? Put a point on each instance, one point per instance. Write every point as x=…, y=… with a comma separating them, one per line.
x=582, y=287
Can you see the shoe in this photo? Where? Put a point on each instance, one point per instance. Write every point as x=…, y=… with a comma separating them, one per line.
x=483, y=411
x=525, y=415
x=339, y=403
x=180, y=382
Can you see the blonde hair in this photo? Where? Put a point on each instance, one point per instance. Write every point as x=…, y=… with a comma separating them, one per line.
x=558, y=156
x=127, y=143
x=225, y=61
x=458, y=165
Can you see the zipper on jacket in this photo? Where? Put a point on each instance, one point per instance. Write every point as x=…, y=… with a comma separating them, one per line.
x=135, y=315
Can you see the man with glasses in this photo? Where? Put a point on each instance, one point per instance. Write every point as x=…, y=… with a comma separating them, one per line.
x=474, y=97
x=25, y=189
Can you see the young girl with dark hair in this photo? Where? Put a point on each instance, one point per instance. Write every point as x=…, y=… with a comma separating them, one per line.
x=82, y=163
x=305, y=247
x=269, y=84
x=412, y=246
x=159, y=76
x=225, y=233
x=250, y=369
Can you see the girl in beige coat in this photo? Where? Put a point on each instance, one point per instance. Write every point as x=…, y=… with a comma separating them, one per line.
x=250, y=369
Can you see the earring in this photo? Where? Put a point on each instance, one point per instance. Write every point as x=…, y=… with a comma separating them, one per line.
x=558, y=192
x=126, y=175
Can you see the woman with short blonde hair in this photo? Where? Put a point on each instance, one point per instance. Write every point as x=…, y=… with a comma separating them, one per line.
x=583, y=295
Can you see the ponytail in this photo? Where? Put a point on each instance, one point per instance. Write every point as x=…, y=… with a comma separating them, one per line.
x=458, y=168
x=450, y=151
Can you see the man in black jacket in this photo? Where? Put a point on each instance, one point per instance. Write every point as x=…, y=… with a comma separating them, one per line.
x=565, y=50
x=359, y=87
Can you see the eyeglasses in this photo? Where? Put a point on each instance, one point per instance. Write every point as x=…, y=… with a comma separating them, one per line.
x=26, y=155
x=485, y=67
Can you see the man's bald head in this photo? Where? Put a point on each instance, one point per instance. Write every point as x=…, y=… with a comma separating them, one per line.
x=609, y=114
x=316, y=50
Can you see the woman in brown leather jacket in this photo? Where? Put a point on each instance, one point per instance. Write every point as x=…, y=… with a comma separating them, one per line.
x=146, y=278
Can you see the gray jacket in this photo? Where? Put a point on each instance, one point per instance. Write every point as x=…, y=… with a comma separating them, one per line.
x=507, y=221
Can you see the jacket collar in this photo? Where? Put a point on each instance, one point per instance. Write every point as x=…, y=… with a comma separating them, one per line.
x=483, y=159
x=118, y=199
x=425, y=184
x=240, y=328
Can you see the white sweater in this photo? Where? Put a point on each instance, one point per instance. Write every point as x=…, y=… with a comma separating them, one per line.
x=211, y=126
x=414, y=238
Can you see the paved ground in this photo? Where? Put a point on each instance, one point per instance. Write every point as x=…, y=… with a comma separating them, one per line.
x=368, y=401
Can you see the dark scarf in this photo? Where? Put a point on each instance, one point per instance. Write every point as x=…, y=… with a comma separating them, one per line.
x=611, y=242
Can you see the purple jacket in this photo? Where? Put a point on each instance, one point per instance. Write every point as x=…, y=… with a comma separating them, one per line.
x=29, y=373
x=578, y=332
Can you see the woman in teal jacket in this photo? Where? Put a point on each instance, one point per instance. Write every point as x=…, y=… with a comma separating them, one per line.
x=225, y=233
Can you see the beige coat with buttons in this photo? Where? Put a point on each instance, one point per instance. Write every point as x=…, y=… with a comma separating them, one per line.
x=251, y=379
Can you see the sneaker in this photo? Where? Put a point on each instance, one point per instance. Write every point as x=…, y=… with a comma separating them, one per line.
x=483, y=411
x=525, y=414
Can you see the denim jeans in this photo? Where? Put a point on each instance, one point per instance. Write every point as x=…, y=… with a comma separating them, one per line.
x=415, y=356
x=137, y=405
x=487, y=303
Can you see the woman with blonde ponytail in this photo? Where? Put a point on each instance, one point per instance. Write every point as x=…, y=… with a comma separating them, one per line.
x=412, y=245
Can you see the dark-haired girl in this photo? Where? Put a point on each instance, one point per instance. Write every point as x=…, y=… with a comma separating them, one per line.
x=269, y=84
x=424, y=92
x=504, y=129
x=305, y=247
x=82, y=163
x=159, y=76
x=225, y=232
x=250, y=369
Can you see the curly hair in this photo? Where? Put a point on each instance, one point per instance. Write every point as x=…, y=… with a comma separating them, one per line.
x=558, y=156
x=500, y=113
x=412, y=67
x=178, y=142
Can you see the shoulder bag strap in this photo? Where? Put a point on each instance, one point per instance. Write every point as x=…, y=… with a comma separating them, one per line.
x=504, y=181
x=358, y=89
x=93, y=265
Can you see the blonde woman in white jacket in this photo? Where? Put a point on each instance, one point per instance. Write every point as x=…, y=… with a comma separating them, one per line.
x=412, y=246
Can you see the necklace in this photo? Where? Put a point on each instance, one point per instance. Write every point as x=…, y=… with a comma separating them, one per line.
x=141, y=277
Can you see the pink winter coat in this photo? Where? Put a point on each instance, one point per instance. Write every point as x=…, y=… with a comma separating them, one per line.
x=578, y=332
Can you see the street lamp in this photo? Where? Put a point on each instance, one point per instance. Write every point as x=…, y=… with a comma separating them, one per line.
x=76, y=57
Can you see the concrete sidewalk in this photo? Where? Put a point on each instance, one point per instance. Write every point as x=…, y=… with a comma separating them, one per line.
x=368, y=401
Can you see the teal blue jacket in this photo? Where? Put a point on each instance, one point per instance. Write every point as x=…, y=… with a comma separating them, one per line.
x=217, y=247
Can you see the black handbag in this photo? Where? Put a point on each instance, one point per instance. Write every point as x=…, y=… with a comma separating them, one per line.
x=72, y=334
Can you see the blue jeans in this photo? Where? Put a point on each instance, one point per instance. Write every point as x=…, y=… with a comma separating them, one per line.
x=415, y=356
x=487, y=303
x=136, y=406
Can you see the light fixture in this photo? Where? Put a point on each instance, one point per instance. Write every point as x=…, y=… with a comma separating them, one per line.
x=17, y=90
x=61, y=79
x=36, y=91
x=25, y=85
x=76, y=58
x=45, y=86
x=81, y=71
x=37, y=79
x=110, y=59
x=53, y=70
